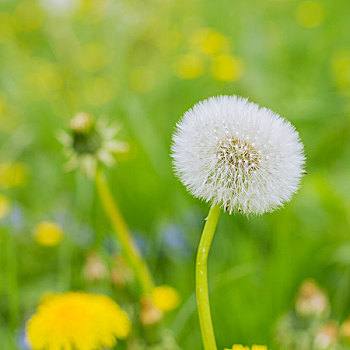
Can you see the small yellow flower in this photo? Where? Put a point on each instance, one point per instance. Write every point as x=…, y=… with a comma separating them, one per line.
x=5, y=206
x=310, y=14
x=98, y=91
x=189, y=66
x=341, y=71
x=209, y=41
x=78, y=321
x=48, y=233
x=227, y=68
x=165, y=298
x=13, y=175
x=91, y=142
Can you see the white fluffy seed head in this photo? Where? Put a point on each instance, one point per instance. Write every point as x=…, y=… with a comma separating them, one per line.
x=236, y=154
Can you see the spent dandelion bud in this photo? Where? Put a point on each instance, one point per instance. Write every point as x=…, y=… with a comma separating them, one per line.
x=311, y=301
x=94, y=269
x=121, y=273
x=149, y=314
x=48, y=233
x=237, y=155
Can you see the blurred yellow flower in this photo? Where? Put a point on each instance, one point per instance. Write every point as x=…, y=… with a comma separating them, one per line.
x=6, y=27
x=91, y=142
x=165, y=298
x=48, y=233
x=341, y=71
x=78, y=321
x=142, y=79
x=28, y=15
x=310, y=14
x=241, y=347
x=209, y=41
x=98, y=91
x=227, y=68
x=189, y=66
x=5, y=206
x=93, y=57
x=13, y=175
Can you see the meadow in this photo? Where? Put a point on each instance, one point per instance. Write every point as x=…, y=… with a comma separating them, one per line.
x=142, y=64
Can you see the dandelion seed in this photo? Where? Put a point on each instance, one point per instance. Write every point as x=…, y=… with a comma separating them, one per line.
x=225, y=168
x=78, y=321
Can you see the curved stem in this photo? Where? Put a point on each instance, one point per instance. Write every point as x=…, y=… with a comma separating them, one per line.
x=130, y=250
x=202, y=279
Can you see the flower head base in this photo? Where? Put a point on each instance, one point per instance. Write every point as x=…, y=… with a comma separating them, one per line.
x=79, y=321
x=90, y=143
x=238, y=155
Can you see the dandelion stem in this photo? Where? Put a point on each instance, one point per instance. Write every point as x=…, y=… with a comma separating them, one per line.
x=202, y=294
x=130, y=250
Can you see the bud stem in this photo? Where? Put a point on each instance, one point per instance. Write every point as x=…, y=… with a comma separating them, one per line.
x=203, y=305
x=130, y=250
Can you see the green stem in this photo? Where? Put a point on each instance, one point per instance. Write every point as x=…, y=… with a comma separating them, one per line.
x=202, y=279
x=130, y=250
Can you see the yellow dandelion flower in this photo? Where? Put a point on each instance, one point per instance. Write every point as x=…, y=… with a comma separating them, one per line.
x=259, y=347
x=189, y=66
x=165, y=298
x=78, y=321
x=227, y=68
x=5, y=206
x=209, y=41
x=142, y=79
x=13, y=175
x=310, y=14
x=98, y=91
x=48, y=233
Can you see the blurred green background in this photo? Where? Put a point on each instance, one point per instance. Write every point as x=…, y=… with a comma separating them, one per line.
x=144, y=63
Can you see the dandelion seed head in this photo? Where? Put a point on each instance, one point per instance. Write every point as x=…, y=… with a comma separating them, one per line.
x=236, y=154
